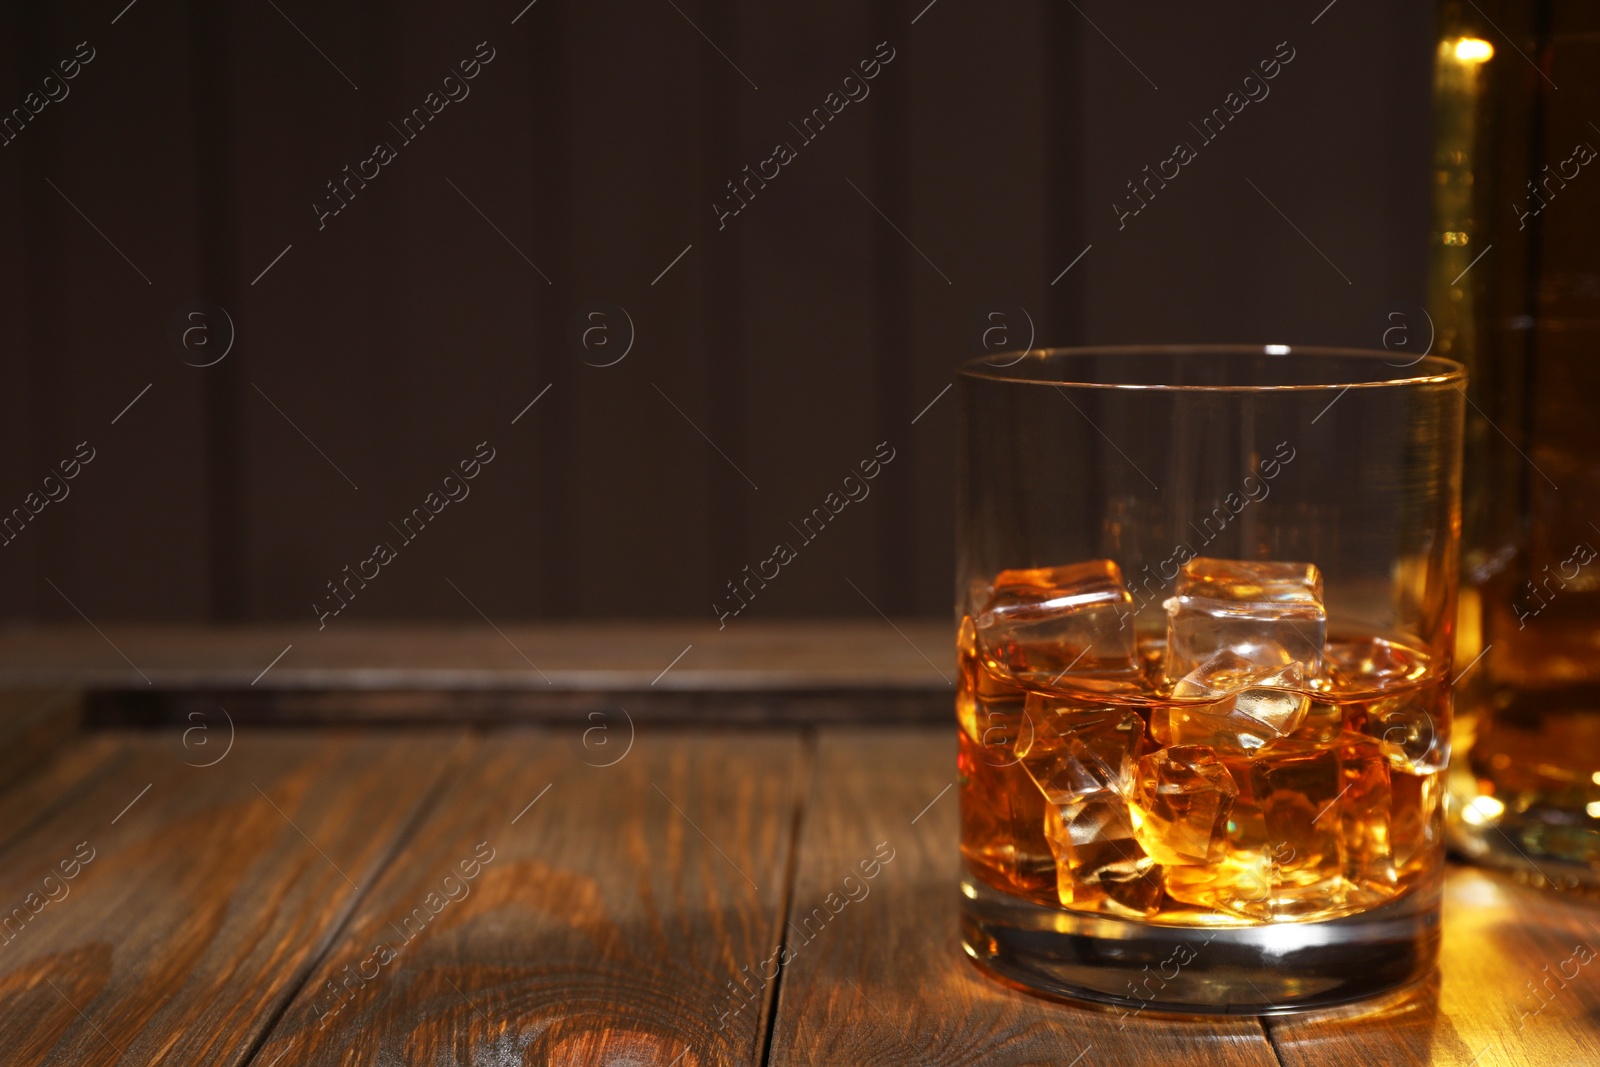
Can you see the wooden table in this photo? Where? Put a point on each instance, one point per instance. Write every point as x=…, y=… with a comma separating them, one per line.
x=501, y=892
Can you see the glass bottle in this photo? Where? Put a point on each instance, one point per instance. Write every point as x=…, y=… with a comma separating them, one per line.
x=1514, y=294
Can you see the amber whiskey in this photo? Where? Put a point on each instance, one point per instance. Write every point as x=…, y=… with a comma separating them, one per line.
x=1245, y=767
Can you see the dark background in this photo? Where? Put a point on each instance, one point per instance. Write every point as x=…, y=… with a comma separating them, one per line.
x=797, y=338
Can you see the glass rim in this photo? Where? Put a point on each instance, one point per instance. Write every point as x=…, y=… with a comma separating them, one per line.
x=1439, y=370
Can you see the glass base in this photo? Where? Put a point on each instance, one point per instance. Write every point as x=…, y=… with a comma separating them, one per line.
x=1227, y=970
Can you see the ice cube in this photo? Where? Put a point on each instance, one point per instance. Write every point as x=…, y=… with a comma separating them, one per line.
x=1098, y=860
x=1245, y=880
x=1264, y=885
x=989, y=705
x=1365, y=806
x=1407, y=727
x=1414, y=831
x=1246, y=706
x=1326, y=810
x=1240, y=883
x=1247, y=826
x=1366, y=662
x=1180, y=805
x=1326, y=720
x=1042, y=622
x=1297, y=786
x=1083, y=760
x=1270, y=614
x=968, y=667
x=1002, y=824
x=1073, y=753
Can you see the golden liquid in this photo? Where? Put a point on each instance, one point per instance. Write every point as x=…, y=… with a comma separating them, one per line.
x=1511, y=194
x=1339, y=816
x=1526, y=790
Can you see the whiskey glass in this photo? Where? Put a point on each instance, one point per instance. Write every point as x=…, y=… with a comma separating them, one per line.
x=1206, y=599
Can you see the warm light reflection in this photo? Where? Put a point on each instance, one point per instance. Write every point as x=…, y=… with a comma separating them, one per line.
x=1481, y=811
x=1473, y=50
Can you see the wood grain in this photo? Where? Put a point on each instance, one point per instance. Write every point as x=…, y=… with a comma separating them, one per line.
x=617, y=450
x=492, y=707
x=748, y=654
x=978, y=76
x=88, y=330
x=616, y=907
x=596, y=144
x=793, y=363
x=53, y=781
x=206, y=895
x=619, y=904
x=885, y=980
x=752, y=672
x=1502, y=941
x=32, y=723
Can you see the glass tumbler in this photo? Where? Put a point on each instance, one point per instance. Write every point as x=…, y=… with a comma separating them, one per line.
x=1206, y=599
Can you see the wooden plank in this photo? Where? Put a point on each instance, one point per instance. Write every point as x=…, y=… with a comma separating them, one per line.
x=222, y=385
x=313, y=76
x=1066, y=88
x=977, y=78
x=500, y=707
x=128, y=160
x=32, y=723
x=203, y=895
x=612, y=907
x=641, y=83
x=32, y=797
x=109, y=261
x=466, y=191
x=1516, y=985
x=757, y=672
x=750, y=655
x=886, y=981
x=18, y=287
x=797, y=247
x=1355, y=187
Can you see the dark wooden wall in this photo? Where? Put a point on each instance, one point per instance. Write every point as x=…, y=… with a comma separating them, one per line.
x=820, y=321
